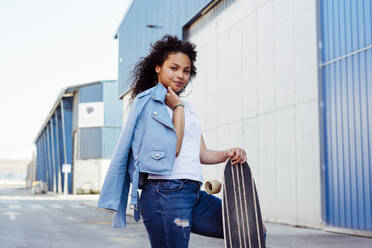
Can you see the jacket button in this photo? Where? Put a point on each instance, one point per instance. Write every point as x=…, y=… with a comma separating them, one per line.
x=136, y=157
x=155, y=113
x=157, y=155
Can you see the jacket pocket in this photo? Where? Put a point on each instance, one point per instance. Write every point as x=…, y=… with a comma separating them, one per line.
x=157, y=155
x=155, y=161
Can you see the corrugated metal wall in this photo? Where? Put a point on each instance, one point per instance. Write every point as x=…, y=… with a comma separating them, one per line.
x=54, y=148
x=66, y=113
x=347, y=96
x=99, y=142
x=113, y=118
x=90, y=139
x=113, y=106
x=167, y=16
x=55, y=144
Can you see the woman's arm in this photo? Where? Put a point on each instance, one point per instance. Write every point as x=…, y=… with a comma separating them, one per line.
x=172, y=100
x=236, y=154
x=179, y=125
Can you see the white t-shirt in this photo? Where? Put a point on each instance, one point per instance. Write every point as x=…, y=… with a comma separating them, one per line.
x=187, y=165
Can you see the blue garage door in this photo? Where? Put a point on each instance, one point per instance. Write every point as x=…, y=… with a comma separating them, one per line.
x=347, y=96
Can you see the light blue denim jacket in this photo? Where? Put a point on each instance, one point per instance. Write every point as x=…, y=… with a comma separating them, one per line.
x=147, y=144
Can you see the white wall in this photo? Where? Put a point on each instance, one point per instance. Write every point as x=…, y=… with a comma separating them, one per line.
x=257, y=88
x=89, y=174
x=126, y=107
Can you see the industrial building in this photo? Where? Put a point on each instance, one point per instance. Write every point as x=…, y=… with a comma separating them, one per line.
x=290, y=82
x=12, y=173
x=78, y=138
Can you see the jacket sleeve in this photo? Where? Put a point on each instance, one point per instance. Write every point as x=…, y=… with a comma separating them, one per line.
x=114, y=193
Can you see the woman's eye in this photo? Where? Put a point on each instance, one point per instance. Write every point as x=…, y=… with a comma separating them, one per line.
x=173, y=68
x=187, y=72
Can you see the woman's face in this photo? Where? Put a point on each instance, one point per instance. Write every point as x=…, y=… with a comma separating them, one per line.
x=175, y=71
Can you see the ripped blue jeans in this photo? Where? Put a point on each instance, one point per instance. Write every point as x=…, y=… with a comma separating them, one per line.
x=171, y=209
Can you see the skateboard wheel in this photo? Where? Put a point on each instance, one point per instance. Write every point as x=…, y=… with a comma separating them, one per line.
x=212, y=187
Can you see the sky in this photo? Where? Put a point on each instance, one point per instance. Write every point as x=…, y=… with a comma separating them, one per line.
x=46, y=45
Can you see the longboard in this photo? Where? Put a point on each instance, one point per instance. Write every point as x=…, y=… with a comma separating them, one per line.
x=242, y=221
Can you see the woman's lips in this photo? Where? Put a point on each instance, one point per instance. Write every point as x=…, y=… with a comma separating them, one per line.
x=179, y=84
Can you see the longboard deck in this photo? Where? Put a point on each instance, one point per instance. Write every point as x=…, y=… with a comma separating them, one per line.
x=241, y=209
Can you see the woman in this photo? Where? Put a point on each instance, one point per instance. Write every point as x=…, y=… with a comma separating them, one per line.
x=161, y=151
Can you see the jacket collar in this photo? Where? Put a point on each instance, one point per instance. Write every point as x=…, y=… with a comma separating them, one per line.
x=159, y=93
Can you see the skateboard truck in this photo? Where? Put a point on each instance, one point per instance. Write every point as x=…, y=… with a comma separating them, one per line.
x=212, y=187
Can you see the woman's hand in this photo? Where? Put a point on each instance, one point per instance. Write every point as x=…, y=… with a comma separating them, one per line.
x=171, y=99
x=237, y=155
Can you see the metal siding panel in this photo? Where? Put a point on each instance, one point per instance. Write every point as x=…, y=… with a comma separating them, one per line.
x=347, y=7
x=38, y=160
x=346, y=145
x=56, y=150
x=325, y=31
x=354, y=26
x=46, y=164
x=54, y=163
x=61, y=144
x=357, y=134
x=368, y=65
x=49, y=180
x=334, y=140
x=45, y=159
x=110, y=138
x=58, y=158
x=368, y=22
x=91, y=93
x=366, y=138
x=327, y=138
x=112, y=105
x=361, y=24
x=90, y=142
x=41, y=157
x=66, y=109
x=75, y=111
x=348, y=26
x=336, y=28
x=342, y=34
x=347, y=94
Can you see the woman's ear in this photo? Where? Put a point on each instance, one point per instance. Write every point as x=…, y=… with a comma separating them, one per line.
x=157, y=69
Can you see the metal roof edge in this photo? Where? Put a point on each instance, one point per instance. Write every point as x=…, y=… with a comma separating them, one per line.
x=78, y=86
x=202, y=12
x=115, y=35
x=125, y=93
x=63, y=93
x=51, y=112
x=109, y=81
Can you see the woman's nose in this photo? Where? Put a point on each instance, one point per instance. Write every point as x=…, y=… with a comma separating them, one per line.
x=179, y=74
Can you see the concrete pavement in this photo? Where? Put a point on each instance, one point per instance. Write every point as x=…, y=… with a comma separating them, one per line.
x=279, y=236
x=96, y=223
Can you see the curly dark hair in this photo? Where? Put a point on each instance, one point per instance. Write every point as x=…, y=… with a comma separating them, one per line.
x=144, y=75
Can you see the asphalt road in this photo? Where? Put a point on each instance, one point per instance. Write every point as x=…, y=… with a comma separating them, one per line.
x=28, y=221
x=51, y=221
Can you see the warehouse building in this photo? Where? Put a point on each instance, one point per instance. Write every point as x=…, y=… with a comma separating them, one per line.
x=12, y=173
x=291, y=83
x=78, y=138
